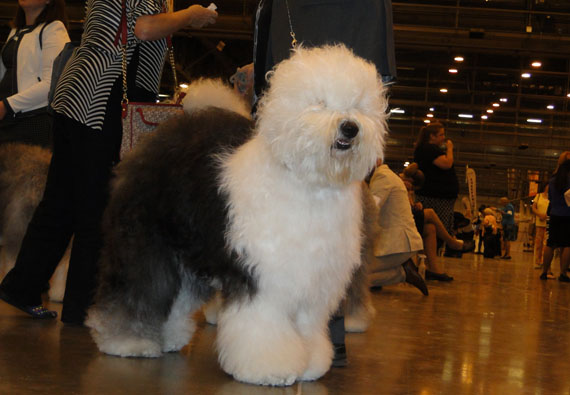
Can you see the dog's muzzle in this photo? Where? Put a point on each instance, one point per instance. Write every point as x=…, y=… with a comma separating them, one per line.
x=348, y=131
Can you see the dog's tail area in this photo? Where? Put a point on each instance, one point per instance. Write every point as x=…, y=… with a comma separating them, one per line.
x=206, y=92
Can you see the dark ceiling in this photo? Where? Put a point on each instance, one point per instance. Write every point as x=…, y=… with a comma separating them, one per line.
x=499, y=39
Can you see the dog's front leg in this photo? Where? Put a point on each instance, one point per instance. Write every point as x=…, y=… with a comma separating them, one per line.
x=258, y=342
x=312, y=324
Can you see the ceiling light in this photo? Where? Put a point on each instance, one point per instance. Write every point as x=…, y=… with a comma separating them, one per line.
x=429, y=115
x=550, y=106
x=496, y=104
x=465, y=116
x=444, y=90
x=490, y=111
x=503, y=99
x=526, y=75
x=397, y=111
x=484, y=117
x=453, y=71
x=459, y=59
x=568, y=95
x=432, y=109
x=536, y=63
x=534, y=120
x=406, y=164
x=427, y=121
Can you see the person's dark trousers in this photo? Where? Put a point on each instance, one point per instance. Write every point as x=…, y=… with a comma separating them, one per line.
x=74, y=199
x=337, y=336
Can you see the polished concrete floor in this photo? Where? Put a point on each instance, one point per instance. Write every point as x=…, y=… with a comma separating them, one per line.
x=496, y=329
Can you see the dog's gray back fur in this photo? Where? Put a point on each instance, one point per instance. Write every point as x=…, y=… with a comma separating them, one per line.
x=165, y=222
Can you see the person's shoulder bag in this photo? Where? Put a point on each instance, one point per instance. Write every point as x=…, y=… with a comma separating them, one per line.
x=141, y=118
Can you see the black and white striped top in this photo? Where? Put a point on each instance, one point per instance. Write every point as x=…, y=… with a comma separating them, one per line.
x=86, y=82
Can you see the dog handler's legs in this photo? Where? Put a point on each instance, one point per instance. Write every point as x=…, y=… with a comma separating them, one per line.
x=257, y=342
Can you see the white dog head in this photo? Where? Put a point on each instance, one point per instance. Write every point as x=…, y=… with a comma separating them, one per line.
x=324, y=115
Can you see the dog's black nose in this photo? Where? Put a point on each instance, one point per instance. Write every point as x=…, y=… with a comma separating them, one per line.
x=349, y=129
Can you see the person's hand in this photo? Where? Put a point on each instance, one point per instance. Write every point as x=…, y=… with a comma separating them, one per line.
x=418, y=206
x=542, y=216
x=2, y=110
x=449, y=144
x=200, y=16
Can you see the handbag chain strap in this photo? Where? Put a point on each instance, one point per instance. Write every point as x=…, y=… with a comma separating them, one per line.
x=122, y=36
x=291, y=31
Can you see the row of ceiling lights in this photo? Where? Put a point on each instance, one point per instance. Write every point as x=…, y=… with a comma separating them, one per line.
x=453, y=70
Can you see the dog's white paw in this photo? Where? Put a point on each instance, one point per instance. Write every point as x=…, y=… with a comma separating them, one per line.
x=130, y=347
x=359, y=320
x=321, y=354
x=274, y=380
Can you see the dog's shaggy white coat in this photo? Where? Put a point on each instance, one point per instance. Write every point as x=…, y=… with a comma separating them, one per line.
x=293, y=222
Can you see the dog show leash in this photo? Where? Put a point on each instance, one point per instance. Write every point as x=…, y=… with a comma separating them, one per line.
x=291, y=31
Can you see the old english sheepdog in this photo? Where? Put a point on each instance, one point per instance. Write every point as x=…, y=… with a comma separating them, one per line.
x=270, y=214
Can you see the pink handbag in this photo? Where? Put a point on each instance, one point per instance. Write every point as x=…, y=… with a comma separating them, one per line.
x=140, y=118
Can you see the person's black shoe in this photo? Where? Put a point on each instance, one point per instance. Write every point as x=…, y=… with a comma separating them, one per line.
x=438, y=276
x=468, y=246
x=38, y=312
x=564, y=278
x=413, y=276
x=339, y=359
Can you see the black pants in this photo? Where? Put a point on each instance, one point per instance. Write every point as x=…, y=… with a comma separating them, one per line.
x=76, y=193
x=75, y=196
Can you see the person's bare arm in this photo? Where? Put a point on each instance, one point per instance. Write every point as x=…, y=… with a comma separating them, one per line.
x=158, y=26
x=445, y=161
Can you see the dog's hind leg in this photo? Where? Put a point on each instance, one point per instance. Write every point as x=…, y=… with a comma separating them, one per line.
x=358, y=307
x=179, y=327
x=258, y=343
x=128, y=316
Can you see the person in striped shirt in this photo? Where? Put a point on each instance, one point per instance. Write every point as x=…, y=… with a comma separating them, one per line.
x=87, y=136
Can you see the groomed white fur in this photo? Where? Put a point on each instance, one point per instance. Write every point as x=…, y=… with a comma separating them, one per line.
x=294, y=219
x=295, y=212
x=204, y=93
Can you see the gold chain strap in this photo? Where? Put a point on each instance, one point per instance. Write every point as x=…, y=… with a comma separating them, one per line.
x=124, y=67
x=173, y=66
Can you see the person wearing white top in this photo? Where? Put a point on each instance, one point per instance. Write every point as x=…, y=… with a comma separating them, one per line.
x=37, y=37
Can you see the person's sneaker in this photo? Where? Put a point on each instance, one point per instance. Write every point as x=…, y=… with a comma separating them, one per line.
x=339, y=358
x=506, y=257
